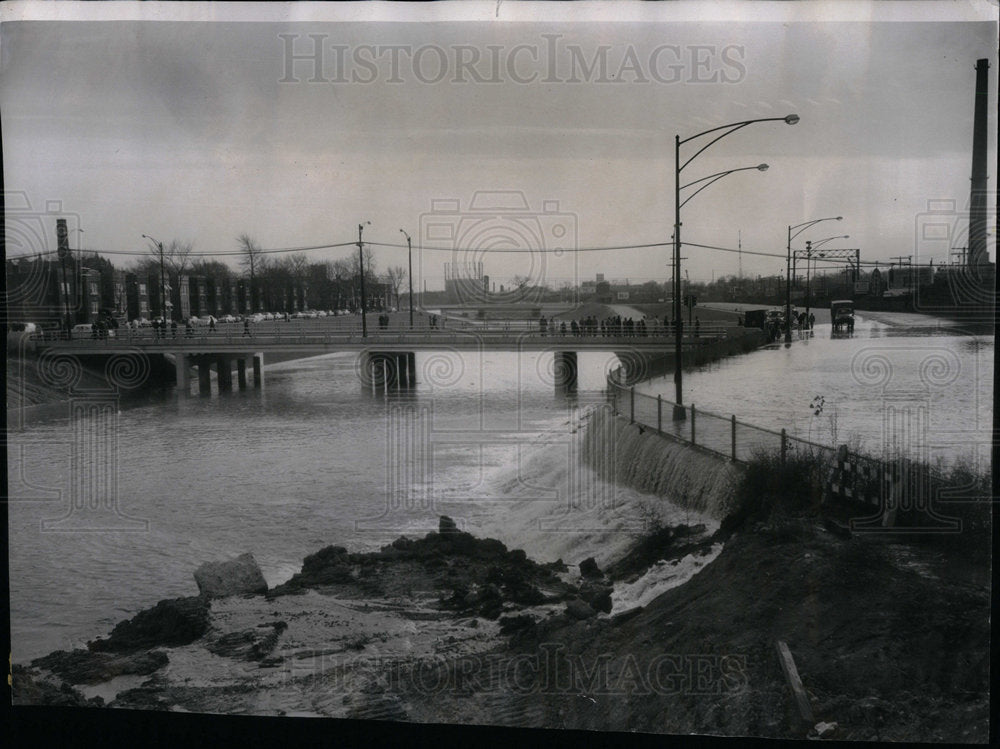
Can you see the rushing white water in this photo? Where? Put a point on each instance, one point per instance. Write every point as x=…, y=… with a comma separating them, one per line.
x=313, y=460
x=660, y=578
x=637, y=457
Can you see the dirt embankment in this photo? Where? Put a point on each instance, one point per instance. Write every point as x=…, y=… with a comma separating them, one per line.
x=887, y=646
x=889, y=642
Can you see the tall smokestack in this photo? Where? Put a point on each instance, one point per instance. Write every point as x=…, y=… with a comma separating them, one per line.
x=977, y=214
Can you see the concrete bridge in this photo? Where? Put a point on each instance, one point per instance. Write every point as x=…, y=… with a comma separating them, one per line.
x=387, y=358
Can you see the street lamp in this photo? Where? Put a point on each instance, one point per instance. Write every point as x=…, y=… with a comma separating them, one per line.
x=163, y=285
x=732, y=127
x=788, y=268
x=810, y=246
x=409, y=255
x=361, y=266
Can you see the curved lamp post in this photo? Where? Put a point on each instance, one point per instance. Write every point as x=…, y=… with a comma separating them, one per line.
x=810, y=247
x=409, y=255
x=723, y=131
x=163, y=285
x=788, y=268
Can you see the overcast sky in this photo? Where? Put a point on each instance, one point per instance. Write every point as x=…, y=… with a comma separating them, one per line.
x=204, y=130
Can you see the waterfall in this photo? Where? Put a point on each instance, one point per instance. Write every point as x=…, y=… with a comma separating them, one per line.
x=627, y=454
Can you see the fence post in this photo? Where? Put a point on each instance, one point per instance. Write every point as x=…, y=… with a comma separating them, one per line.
x=631, y=396
x=734, y=436
x=784, y=445
x=693, y=442
x=659, y=414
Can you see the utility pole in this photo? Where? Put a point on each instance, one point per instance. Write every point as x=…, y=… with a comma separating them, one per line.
x=163, y=284
x=62, y=241
x=409, y=255
x=361, y=267
x=739, y=245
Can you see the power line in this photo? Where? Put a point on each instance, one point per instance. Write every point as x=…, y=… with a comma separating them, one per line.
x=534, y=250
x=522, y=250
x=226, y=253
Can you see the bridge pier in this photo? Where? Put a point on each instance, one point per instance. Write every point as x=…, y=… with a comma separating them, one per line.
x=224, y=368
x=258, y=370
x=241, y=372
x=387, y=370
x=565, y=369
x=204, y=377
x=181, y=364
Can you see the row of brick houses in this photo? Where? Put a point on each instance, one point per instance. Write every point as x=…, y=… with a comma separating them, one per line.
x=39, y=291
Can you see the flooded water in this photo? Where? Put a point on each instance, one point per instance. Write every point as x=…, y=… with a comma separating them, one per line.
x=315, y=460
x=900, y=383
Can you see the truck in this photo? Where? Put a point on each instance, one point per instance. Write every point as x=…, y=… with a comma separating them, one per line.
x=842, y=315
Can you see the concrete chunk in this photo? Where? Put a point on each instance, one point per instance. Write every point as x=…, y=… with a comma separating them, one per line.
x=239, y=576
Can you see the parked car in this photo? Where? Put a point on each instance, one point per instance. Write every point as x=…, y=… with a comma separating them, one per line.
x=86, y=330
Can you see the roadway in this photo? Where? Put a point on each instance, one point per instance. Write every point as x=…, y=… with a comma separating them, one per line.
x=320, y=336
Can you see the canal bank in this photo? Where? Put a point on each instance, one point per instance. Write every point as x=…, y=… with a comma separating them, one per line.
x=451, y=628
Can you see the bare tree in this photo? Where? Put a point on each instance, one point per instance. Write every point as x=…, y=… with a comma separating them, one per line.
x=370, y=275
x=176, y=255
x=395, y=276
x=298, y=265
x=339, y=269
x=254, y=260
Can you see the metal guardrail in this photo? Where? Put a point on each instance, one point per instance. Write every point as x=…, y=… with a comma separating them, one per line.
x=725, y=436
x=423, y=337
x=888, y=483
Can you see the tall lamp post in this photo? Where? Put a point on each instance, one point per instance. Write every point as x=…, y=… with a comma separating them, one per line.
x=810, y=246
x=409, y=255
x=788, y=268
x=64, y=253
x=732, y=127
x=361, y=267
x=163, y=285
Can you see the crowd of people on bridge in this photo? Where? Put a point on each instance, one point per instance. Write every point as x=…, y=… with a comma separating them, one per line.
x=614, y=326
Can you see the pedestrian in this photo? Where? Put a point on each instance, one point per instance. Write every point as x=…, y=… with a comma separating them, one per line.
x=173, y=328
x=246, y=326
x=211, y=324
x=812, y=320
x=697, y=326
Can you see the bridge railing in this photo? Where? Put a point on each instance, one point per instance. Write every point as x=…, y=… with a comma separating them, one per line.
x=425, y=336
x=891, y=493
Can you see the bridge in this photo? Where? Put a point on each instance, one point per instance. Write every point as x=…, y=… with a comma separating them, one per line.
x=387, y=357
